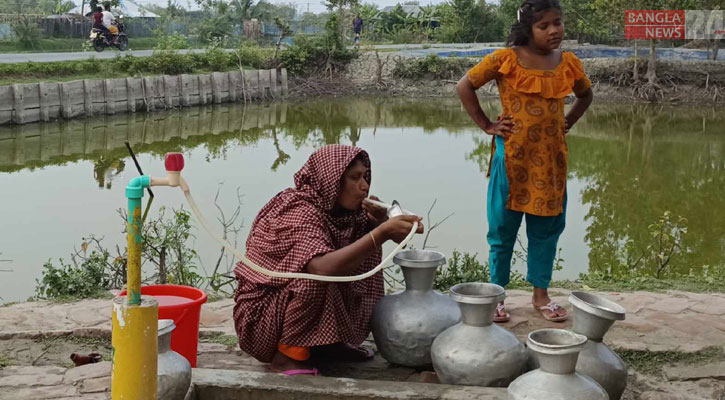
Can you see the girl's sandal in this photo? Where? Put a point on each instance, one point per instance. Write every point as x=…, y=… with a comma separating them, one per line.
x=501, y=315
x=552, y=307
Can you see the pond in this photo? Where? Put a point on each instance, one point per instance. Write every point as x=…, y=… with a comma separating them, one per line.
x=629, y=165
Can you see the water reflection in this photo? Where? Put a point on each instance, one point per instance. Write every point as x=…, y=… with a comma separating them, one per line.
x=640, y=162
x=104, y=171
x=632, y=163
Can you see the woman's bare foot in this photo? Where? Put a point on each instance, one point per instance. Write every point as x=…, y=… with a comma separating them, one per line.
x=549, y=310
x=344, y=352
x=281, y=363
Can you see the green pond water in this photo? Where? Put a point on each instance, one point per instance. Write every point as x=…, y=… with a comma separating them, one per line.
x=629, y=164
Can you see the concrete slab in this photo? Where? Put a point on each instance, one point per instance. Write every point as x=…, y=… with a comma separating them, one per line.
x=214, y=384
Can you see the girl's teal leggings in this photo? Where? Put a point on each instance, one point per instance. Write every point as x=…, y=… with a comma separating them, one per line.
x=503, y=225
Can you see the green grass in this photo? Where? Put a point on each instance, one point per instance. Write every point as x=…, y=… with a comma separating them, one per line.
x=99, y=75
x=4, y=361
x=685, y=283
x=227, y=340
x=36, y=79
x=169, y=63
x=652, y=363
x=53, y=45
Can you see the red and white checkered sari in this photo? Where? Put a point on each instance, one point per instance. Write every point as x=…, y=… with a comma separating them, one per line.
x=295, y=226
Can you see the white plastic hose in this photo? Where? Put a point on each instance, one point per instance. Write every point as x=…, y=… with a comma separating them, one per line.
x=290, y=275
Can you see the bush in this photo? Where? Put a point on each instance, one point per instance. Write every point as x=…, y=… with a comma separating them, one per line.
x=431, y=67
x=407, y=36
x=310, y=54
x=461, y=268
x=172, y=42
x=89, y=279
x=166, y=62
x=295, y=58
x=27, y=33
x=92, y=273
x=314, y=54
x=217, y=59
x=252, y=55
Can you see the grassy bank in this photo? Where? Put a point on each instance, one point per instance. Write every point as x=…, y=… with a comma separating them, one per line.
x=54, y=45
x=161, y=62
x=466, y=267
x=653, y=362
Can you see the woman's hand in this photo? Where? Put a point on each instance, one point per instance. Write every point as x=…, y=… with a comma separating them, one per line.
x=376, y=214
x=504, y=126
x=397, y=228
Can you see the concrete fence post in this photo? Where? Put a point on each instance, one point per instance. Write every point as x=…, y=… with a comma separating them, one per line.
x=18, y=104
x=285, y=88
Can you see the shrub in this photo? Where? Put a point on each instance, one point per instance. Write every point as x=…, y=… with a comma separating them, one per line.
x=72, y=280
x=167, y=62
x=26, y=32
x=313, y=54
x=295, y=58
x=216, y=59
x=431, y=66
x=252, y=55
x=91, y=273
x=172, y=42
x=461, y=268
x=407, y=36
x=465, y=267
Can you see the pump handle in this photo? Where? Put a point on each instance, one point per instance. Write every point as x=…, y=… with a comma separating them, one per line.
x=174, y=162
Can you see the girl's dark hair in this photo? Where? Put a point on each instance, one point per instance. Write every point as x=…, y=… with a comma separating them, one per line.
x=527, y=15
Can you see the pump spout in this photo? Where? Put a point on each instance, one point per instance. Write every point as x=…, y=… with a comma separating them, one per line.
x=174, y=164
x=392, y=210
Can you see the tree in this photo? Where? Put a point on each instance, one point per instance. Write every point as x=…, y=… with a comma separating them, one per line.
x=583, y=19
x=219, y=21
x=284, y=31
x=339, y=7
x=465, y=21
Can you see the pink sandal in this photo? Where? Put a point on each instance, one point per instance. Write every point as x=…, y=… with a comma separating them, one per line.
x=501, y=318
x=553, y=307
x=313, y=372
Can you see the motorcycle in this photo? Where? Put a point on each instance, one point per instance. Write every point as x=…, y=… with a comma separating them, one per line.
x=118, y=38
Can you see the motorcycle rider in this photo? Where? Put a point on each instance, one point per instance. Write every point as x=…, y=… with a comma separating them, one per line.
x=98, y=24
x=108, y=20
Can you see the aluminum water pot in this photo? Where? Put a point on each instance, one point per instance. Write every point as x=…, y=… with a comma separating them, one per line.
x=557, y=351
x=405, y=323
x=593, y=316
x=475, y=351
x=174, y=370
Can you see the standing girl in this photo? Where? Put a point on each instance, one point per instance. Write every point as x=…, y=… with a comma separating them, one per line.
x=528, y=166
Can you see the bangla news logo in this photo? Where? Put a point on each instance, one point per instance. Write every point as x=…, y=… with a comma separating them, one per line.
x=674, y=24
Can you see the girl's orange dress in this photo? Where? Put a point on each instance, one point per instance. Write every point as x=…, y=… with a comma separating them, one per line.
x=536, y=152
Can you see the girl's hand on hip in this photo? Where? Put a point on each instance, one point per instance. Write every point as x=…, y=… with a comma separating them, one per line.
x=504, y=126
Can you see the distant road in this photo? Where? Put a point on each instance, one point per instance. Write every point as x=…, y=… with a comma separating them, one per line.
x=50, y=57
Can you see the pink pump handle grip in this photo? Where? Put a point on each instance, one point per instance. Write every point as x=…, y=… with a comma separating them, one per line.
x=174, y=162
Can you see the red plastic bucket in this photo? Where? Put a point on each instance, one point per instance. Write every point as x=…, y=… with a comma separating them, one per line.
x=183, y=305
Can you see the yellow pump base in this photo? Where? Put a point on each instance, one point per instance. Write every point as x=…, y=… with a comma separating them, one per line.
x=135, y=348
